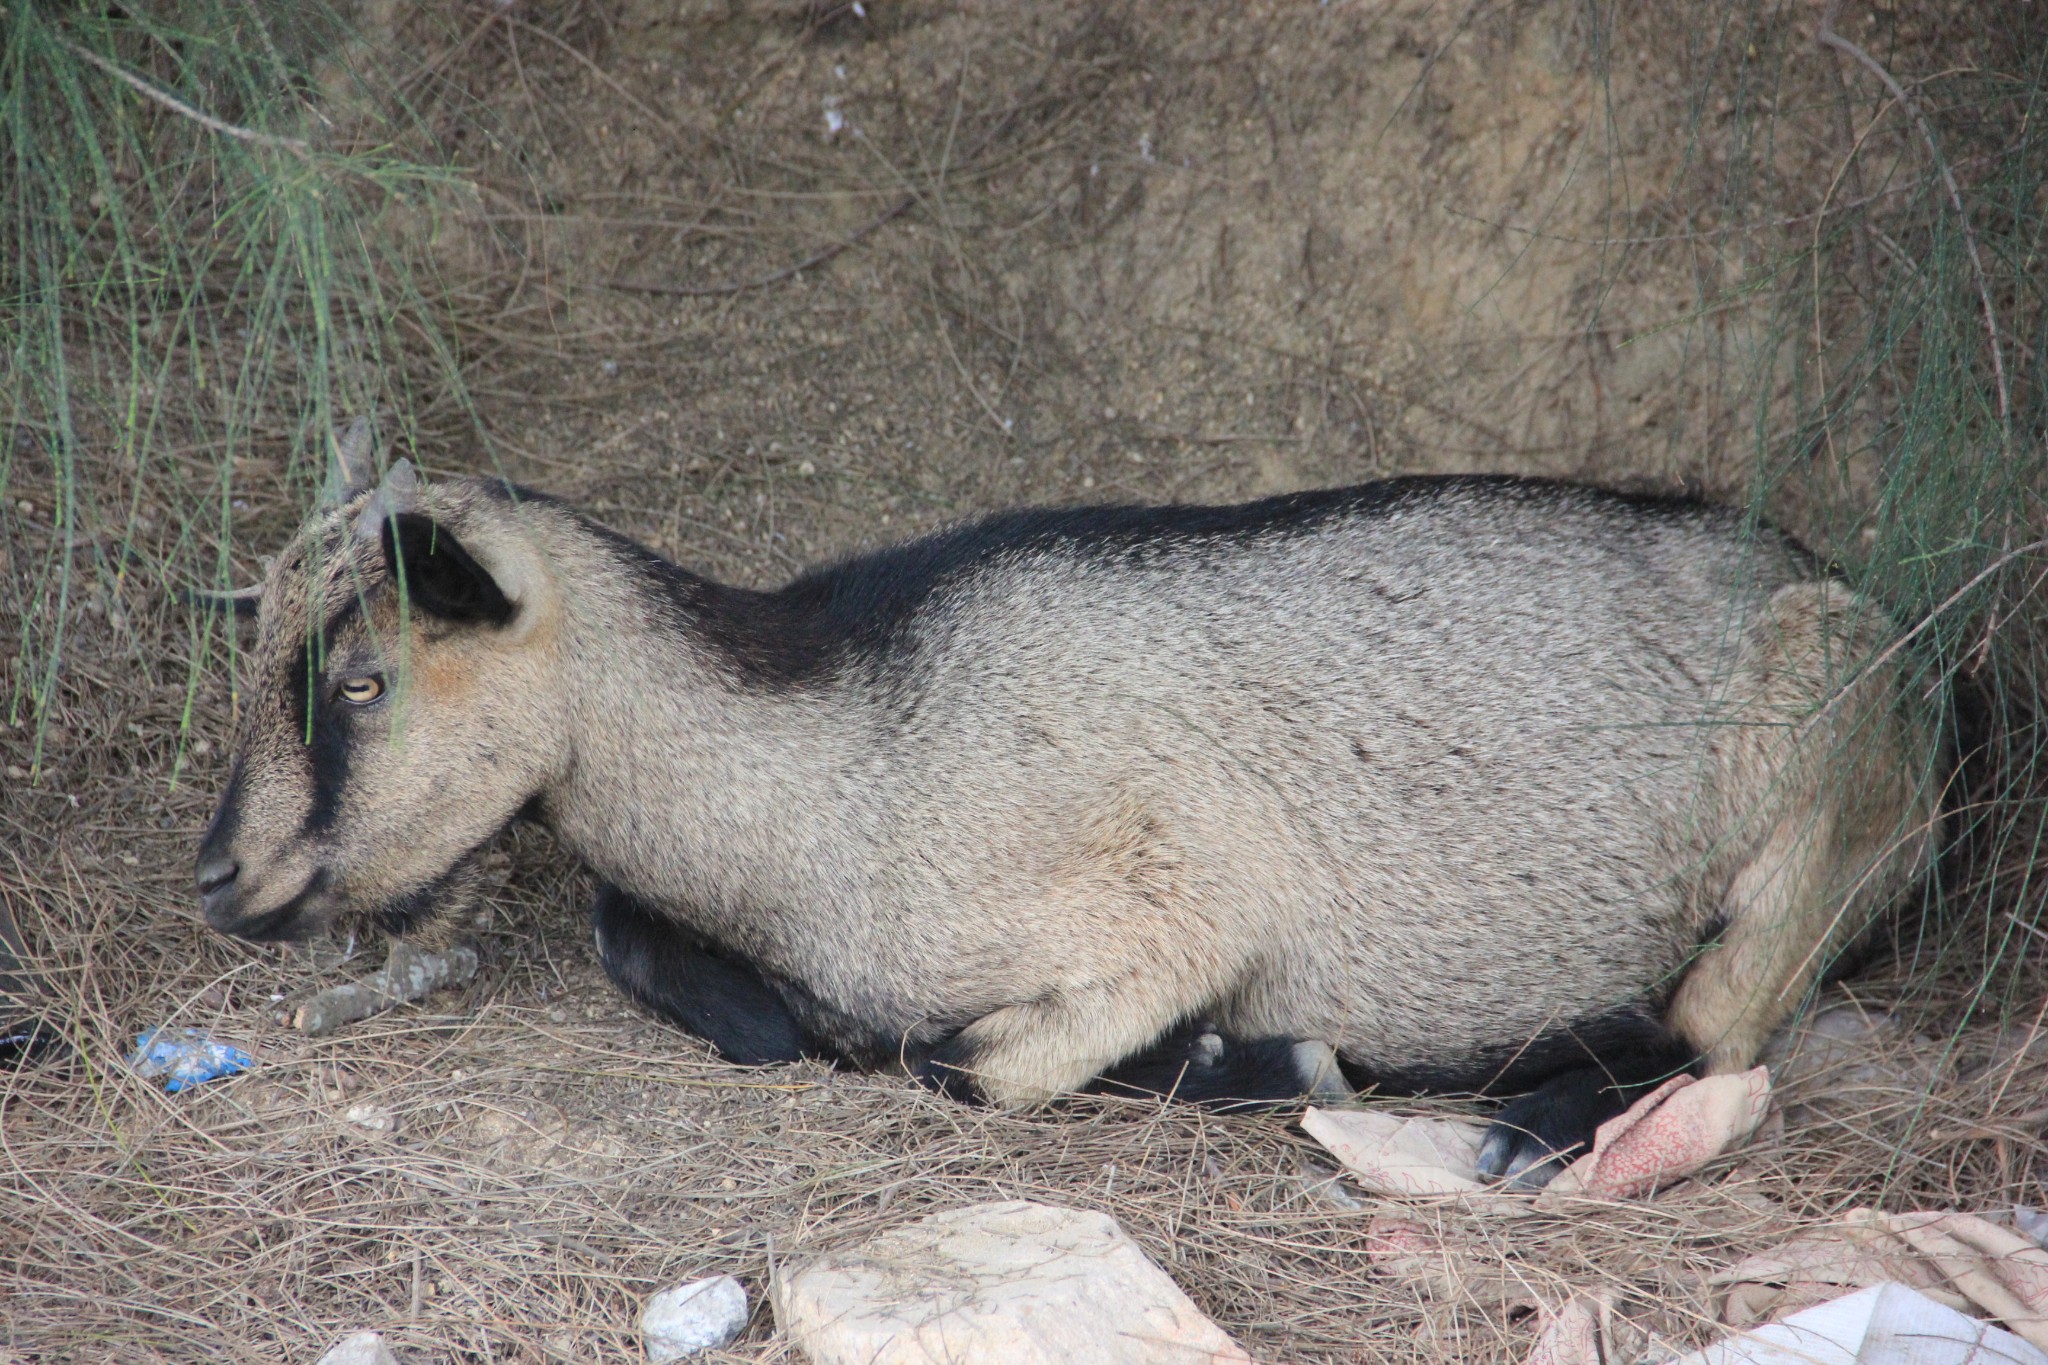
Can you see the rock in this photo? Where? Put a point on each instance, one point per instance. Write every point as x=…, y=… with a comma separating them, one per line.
x=1017, y=1282
x=699, y=1316
x=363, y=1348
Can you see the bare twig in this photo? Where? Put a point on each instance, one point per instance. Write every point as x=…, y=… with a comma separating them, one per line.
x=818, y=257
x=409, y=975
x=177, y=106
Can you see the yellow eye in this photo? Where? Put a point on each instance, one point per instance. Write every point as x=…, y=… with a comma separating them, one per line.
x=361, y=691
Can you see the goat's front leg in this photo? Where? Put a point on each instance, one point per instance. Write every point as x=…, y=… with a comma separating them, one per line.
x=721, y=999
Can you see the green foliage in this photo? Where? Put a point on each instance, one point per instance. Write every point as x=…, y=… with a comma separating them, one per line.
x=198, y=280
x=1912, y=330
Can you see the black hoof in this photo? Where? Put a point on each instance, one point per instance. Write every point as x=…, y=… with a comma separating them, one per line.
x=1202, y=1066
x=1534, y=1137
x=29, y=1042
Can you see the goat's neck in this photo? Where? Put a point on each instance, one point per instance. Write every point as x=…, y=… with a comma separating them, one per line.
x=700, y=792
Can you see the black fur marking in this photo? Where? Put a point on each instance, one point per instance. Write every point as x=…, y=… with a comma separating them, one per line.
x=324, y=729
x=1197, y=1064
x=327, y=746
x=860, y=1032
x=227, y=817
x=400, y=916
x=438, y=576
x=1537, y=1135
x=1516, y=1068
x=858, y=611
x=280, y=925
x=949, y=1069
x=670, y=971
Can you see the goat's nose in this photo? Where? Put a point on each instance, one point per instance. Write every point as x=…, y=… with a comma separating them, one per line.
x=216, y=874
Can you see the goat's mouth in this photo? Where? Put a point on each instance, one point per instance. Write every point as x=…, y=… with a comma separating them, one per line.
x=301, y=917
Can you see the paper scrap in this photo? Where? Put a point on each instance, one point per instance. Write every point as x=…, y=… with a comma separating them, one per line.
x=1390, y=1154
x=1886, y=1324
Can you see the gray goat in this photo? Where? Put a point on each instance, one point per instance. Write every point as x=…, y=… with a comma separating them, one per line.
x=1490, y=785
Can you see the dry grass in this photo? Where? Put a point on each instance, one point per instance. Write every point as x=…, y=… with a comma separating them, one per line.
x=1082, y=253
x=558, y=1158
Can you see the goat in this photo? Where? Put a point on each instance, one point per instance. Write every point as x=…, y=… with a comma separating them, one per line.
x=1489, y=784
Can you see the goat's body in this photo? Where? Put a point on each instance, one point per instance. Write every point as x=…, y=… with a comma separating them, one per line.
x=1427, y=770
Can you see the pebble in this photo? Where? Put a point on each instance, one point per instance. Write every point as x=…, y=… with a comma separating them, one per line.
x=374, y=1118
x=363, y=1348
x=699, y=1316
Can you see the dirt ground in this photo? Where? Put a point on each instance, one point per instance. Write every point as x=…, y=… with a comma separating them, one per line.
x=764, y=283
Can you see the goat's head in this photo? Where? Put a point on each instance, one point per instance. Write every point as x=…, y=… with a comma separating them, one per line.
x=400, y=705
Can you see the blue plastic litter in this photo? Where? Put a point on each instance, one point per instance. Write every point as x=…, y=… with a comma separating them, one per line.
x=185, y=1057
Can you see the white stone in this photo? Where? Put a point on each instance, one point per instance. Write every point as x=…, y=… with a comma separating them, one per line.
x=699, y=1316
x=374, y=1118
x=363, y=1348
x=1016, y=1282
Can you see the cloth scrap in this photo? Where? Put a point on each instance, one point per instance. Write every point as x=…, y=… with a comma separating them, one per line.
x=1668, y=1134
x=1449, y=1268
x=1585, y=1331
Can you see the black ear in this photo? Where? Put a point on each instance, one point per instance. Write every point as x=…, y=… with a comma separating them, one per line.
x=440, y=577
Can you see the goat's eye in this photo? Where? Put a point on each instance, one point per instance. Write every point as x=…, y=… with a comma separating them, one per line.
x=361, y=691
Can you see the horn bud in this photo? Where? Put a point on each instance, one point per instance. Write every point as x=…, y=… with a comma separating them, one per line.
x=352, y=463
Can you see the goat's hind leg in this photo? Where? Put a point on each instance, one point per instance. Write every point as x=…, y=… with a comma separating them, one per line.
x=670, y=971
x=1134, y=1038
x=1582, y=1077
x=1827, y=802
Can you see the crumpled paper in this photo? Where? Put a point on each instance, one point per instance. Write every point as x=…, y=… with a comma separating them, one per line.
x=1393, y=1155
x=1957, y=1259
x=182, y=1058
x=1664, y=1136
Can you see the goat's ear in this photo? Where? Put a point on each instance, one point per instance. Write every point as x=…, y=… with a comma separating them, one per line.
x=440, y=577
